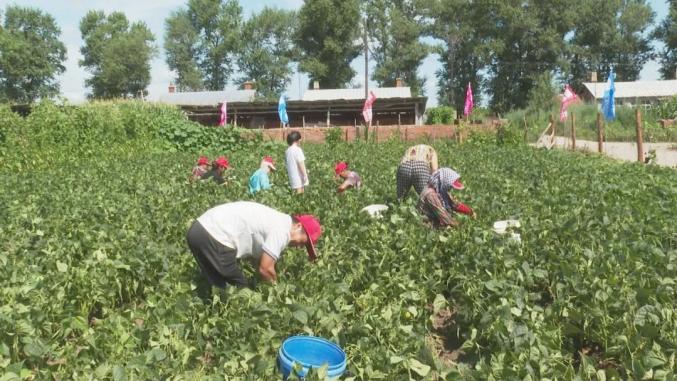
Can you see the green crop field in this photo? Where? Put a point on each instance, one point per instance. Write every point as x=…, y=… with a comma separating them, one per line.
x=97, y=282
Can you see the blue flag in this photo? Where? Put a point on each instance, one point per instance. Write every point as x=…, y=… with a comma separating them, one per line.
x=608, y=106
x=282, y=110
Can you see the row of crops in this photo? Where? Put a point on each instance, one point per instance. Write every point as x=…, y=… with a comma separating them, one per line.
x=97, y=283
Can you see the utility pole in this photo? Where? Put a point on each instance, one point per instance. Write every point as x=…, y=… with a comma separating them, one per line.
x=366, y=59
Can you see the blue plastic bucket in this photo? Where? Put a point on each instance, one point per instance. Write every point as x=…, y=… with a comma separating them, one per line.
x=311, y=352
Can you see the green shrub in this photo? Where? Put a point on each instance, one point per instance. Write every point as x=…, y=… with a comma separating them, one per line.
x=333, y=136
x=440, y=115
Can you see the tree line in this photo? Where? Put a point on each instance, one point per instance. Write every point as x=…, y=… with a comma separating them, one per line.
x=504, y=48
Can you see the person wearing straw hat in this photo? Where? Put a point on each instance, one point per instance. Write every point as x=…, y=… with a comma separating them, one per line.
x=415, y=168
x=219, y=166
x=350, y=178
x=200, y=169
x=239, y=230
x=259, y=180
x=436, y=202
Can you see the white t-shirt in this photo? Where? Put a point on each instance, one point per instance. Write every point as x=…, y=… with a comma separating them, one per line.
x=293, y=157
x=248, y=227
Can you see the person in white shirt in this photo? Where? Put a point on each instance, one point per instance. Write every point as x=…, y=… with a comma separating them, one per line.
x=244, y=229
x=296, y=163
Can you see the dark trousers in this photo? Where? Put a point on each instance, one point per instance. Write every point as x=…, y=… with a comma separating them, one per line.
x=217, y=262
x=412, y=173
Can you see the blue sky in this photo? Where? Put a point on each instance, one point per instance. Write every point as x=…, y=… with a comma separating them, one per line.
x=69, y=12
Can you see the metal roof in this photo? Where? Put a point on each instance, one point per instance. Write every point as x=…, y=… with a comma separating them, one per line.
x=638, y=89
x=207, y=98
x=336, y=94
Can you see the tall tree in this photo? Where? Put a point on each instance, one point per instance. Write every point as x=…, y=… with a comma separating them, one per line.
x=462, y=26
x=328, y=39
x=396, y=27
x=202, y=42
x=117, y=53
x=616, y=38
x=529, y=37
x=667, y=33
x=31, y=55
x=268, y=50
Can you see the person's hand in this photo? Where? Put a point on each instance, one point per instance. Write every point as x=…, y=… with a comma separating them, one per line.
x=473, y=215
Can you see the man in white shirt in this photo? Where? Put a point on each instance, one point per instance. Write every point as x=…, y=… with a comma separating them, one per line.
x=296, y=163
x=244, y=229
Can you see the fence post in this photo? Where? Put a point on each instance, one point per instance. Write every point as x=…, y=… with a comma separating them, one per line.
x=553, y=125
x=600, y=133
x=640, y=136
x=573, y=131
x=526, y=128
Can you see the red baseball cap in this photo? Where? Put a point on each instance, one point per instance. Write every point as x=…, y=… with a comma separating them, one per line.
x=203, y=160
x=311, y=225
x=221, y=162
x=269, y=160
x=340, y=167
x=458, y=184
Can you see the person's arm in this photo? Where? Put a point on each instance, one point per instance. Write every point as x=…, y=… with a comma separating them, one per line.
x=302, y=170
x=267, y=268
x=461, y=207
x=344, y=186
x=434, y=165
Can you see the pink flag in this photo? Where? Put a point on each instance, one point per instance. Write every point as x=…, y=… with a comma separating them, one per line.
x=224, y=114
x=469, y=104
x=366, y=111
x=568, y=98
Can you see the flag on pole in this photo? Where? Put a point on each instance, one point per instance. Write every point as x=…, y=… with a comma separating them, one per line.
x=608, y=106
x=568, y=98
x=469, y=103
x=282, y=110
x=224, y=114
x=368, y=103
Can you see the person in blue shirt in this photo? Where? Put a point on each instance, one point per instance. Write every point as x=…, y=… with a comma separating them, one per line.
x=259, y=180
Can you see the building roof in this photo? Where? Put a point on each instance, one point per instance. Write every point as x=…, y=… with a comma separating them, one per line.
x=207, y=98
x=349, y=94
x=632, y=90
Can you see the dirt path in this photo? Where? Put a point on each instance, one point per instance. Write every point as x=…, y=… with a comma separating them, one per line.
x=666, y=153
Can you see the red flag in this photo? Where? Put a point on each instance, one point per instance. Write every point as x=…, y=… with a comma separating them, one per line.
x=568, y=98
x=224, y=114
x=366, y=111
x=469, y=103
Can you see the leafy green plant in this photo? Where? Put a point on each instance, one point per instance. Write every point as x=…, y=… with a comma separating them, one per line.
x=440, y=115
x=333, y=136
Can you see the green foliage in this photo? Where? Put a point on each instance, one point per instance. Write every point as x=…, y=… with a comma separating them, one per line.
x=398, y=51
x=97, y=278
x=333, y=136
x=666, y=32
x=542, y=97
x=202, y=41
x=440, y=115
x=327, y=48
x=117, y=54
x=268, y=50
x=31, y=55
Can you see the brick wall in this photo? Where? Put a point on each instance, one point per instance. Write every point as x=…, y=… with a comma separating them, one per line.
x=380, y=133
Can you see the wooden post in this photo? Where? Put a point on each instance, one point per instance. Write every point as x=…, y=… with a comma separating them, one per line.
x=378, y=130
x=235, y=118
x=399, y=117
x=600, y=133
x=346, y=131
x=406, y=133
x=553, y=125
x=573, y=131
x=526, y=128
x=304, y=120
x=640, y=136
x=328, y=117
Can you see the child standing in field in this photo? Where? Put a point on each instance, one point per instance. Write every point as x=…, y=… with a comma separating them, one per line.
x=200, y=169
x=296, y=163
x=436, y=202
x=350, y=178
x=259, y=180
x=219, y=166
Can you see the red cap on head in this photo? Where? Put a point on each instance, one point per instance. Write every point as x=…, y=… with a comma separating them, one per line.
x=203, y=160
x=340, y=167
x=268, y=159
x=311, y=225
x=221, y=162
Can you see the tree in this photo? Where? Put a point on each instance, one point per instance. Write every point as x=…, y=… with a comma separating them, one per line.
x=202, y=42
x=396, y=27
x=667, y=33
x=117, y=53
x=610, y=33
x=267, y=51
x=328, y=39
x=31, y=55
x=462, y=26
